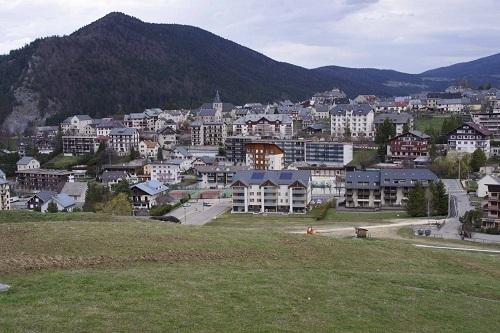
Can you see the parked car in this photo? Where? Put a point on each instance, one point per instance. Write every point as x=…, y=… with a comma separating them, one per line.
x=207, y=204
x=168, y=218
x=420, y=232
x=186, y=205
x=427, y=232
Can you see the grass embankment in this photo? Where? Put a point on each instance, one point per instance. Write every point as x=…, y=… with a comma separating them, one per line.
x=426, y=122
x=280, y=222
x=150, y=276
x=18, y=216
x=62, y=162
x=360, y=156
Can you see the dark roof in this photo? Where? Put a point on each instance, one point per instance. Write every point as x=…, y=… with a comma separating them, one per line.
x=480, y=129
x=416, y=133
x=112, y=176
x=395, y=118
x=123, y=131
x=374, y=179
x=444, y=95
x=45, y=196
x=278, y=177
x=359, y=109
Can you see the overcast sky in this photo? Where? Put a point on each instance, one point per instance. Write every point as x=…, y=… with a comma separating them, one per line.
x=406, y=35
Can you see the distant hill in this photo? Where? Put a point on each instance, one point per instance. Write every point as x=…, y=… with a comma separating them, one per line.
x=477, y=72
x=119, y=64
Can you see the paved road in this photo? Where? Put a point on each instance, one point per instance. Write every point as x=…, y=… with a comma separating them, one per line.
x=197, y=214
x=459, y=204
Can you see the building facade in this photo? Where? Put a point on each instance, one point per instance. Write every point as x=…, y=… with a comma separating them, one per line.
x=491, y=209
x=123, y=140
x=4, y=194
x=408, y=146
x=265, y=126
x=208, y=133
x=43, y=179
x=260, y=191
x=354, y=120
x=383, y=188
x=469, y=137
x=264, y=156
x=399, y=120
x=490, y=121
x=78, y=145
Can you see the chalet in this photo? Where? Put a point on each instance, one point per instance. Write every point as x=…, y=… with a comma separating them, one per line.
x=468, y=137
x=409, y=146
x=148, y=194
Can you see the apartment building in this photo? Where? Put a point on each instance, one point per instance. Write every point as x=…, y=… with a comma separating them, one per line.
x=122, y=140
x=295, y=150
x=217, y=176
x=408, y=146
x=143, y=121
x=491, y=209
x=469, y=137
x=4, y=194
x=264, y=125
x=78, y=145
x=76, y=123
x=383, y=188
x=264, y=156
x=271, y=191
x=43, y=179
x=354, y=119
x=168, y=172
x=148, y=149
x=208, y=133
x=490, y=121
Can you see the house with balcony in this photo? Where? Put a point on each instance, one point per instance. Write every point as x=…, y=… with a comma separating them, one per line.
x=148, y=194
x=411, y=145
x=271, y=191
x=264, y=125
x=383, y=188
x=468, y=137
x=216, y=176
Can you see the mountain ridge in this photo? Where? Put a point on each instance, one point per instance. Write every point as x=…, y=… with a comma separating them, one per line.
x=120, y=64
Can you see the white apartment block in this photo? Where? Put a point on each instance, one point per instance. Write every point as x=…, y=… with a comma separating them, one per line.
x=358, y=118
x=261, y=191
x=122, y=140
x=76, y=123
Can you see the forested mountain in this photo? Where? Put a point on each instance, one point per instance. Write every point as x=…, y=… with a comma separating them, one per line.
x=120, y=64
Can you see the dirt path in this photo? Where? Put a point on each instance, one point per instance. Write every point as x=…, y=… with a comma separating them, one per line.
x=377, y=230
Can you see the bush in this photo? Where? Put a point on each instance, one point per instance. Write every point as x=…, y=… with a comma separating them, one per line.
x=164, y=209
x=319, y=212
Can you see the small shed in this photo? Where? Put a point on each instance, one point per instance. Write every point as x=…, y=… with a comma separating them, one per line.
x=361, y=232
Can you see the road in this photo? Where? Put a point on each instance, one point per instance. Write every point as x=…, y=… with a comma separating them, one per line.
x=459, y=204
x=197, y=214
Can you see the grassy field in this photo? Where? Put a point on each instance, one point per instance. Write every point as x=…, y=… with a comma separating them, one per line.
x=104, y=276
x=359, y=155
x=424, y=123
x=280, y=222
x=62, y=162
x=22, y=216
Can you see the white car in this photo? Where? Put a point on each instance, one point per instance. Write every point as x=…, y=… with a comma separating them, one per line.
x=186, y=205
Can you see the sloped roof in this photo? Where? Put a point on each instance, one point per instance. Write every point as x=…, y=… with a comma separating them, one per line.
x=123, y=131
x=74, y=189
x=285, y=119
x=373, y=179
x=151, y=187
x=278, y=177
x=358, y=109
x=111, y=176
x=64, y=200
x=395, y=118
x=25, y=160
x=45, y=196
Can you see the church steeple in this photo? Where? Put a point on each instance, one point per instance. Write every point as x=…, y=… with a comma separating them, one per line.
x=217, y=98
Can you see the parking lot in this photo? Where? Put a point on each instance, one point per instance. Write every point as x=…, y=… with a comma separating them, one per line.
x=197, y=213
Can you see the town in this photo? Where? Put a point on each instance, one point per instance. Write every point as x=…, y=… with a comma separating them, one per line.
x=369, y=153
